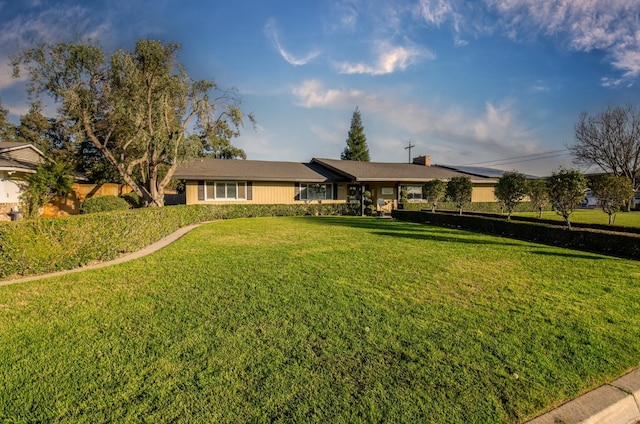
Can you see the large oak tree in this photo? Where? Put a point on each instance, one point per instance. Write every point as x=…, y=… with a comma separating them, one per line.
x=139, y=108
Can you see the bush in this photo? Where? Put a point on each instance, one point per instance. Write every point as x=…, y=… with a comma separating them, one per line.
x=37, y=246
x=103, y=204
x=133, y=200
x=624, y=245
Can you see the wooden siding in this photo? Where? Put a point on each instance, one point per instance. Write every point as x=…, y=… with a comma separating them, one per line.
x=26, y=155
x=263, y=193
x=483, y=193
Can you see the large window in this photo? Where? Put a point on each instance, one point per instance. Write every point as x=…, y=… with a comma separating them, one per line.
x=316, y=191
x=225, y=190
x=414, y=193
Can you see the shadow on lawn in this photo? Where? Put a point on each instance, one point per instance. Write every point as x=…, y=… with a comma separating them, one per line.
x=568, y=255
x=408, y=230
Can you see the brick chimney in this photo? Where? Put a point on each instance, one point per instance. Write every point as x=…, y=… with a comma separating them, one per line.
x=422, y=160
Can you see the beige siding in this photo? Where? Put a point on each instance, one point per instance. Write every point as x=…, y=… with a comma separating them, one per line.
x=483, y=193
x=27, y=155
x=263, y=193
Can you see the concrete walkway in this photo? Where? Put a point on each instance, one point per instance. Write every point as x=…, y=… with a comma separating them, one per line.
x=615, y=403
x=134, y=255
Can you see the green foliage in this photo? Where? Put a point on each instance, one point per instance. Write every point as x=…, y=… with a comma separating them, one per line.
x=103, y=204
x=133, y=200
x=45, y=245
x=566, y=188
x=613, y=193
x=510, y=190
x=135, y=107
x=356, y=141
x=369, y=207
x=538, y=195
x=625, y=245
x=52, y=179
x=458, y=191
x=433, y=192
x=7, y=129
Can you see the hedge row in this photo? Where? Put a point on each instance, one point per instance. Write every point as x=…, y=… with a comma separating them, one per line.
x=489, y=207
x=607, y=243
x=44, y=245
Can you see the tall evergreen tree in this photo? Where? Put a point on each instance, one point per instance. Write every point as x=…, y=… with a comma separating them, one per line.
x=356, y=141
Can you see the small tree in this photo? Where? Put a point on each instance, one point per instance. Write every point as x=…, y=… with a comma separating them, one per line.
x=356, y=141
x=539, y=195
x=566, y=189
x=612, y=193
x=433, y=192
x=52, y=179
x=510, y=190
x=459, y=191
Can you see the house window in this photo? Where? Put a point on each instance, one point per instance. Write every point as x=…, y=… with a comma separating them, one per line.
x=316, y=191
x=414, y=193
x=225, y=190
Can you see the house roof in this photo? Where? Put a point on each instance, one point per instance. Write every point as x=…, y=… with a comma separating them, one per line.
x=20, y=157
x=482, y=172
x=254, y=170
x=399, y=172
x=7, y=146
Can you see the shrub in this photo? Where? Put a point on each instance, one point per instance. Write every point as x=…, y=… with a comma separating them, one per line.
x=37, y=246
x=103, y=204
x=133, y=200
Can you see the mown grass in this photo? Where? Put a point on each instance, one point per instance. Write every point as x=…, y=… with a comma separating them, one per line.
x=325, y=319
x=591, y=216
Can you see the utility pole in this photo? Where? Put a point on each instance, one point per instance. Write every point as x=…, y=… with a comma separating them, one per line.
x=409, y=148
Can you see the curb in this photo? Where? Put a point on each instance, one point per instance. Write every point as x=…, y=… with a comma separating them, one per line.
x=617, y=402
x=153, y=247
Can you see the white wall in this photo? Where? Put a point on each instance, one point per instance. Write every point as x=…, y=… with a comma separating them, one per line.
x=9, y=190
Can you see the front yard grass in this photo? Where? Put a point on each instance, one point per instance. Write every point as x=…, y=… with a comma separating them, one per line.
x=320, y=319
x=590, y=216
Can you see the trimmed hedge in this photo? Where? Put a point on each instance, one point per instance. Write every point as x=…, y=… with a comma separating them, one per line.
x=623, y=245
x=489, y=207
x=45, y=245
x=103, y=204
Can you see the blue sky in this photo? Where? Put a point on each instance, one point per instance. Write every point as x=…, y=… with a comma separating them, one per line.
x=468, y=82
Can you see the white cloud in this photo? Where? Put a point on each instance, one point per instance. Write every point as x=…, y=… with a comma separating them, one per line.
x=343, y=16
x=612, y=26
x=389, y=58
x=311, y=94
x=272, y=33
x=51, y=25
x=451, y=131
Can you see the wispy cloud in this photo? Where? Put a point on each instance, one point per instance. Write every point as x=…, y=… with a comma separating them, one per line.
x=389, y=58
x=343, y=16
x=50, y=25
x=496, y=131
x=581, y=25
x=271, y=32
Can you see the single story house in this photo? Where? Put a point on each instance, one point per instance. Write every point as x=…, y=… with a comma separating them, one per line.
x=17, y=160
x=219, y=181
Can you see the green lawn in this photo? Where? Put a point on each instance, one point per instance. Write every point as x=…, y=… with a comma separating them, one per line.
x=327, y=319
x=591, y=216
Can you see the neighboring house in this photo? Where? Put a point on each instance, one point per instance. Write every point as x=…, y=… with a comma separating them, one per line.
x=17, y=160
x=221, y=181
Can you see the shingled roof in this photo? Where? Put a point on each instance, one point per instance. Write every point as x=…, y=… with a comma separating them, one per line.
x=400, y=172
x=255, y=170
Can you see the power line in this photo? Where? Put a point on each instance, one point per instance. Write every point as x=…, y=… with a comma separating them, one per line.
x=520, y=157
x=529, y=160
